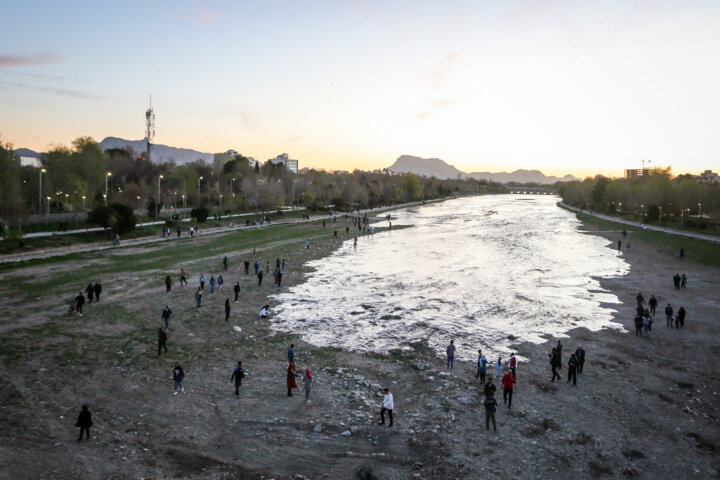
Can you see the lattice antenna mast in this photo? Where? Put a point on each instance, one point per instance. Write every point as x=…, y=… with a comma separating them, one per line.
x=149, y=127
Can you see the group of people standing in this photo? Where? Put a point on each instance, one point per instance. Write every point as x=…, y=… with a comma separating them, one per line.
x=576, y=362
x=645, y=315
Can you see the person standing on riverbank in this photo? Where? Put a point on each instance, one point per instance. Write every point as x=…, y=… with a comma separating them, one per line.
x=256, y=266
x=84, y=421
x=260, y=277
x=225, y=263
x=683, y=281
x=669, y=315
x=572, y=369
x=178, y=378
x=162, y=341
x=246, y=265
x=307, y=384
x=183, y=277
x=676, y=281
x=291, y=353
x=559, y=347
x=237, y=376
x=166, y=316
x=508, y=382
x=640, y=299
x=212, y=284
x=681, y=317
x=198, y=297
x=291, y=381
x=168, y=284
x=387, y=406
x=79, y=302
x=489, y=388
x=490, y=405
x=236, y=289
x=498, y=368
x=512, y=363
x=450, y=355
x=98, y=291
x=202, y=281
x=90, y=292
x=638, y=325
x=220, y=283
x=652, y=303
x=481, y=366
x=580, y=355
x=554, y=362
x=227, y=309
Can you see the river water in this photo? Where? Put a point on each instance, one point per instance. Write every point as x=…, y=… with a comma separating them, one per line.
x=476, y=269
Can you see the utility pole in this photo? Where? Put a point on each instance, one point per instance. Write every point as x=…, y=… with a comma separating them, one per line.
x=42, y=170
x=158, y=195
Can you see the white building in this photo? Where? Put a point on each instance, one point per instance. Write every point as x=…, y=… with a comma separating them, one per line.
x=708, y=176
x=289, y=163
x=30, y=162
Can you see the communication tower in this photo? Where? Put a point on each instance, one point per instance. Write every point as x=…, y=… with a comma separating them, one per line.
x=149, y=126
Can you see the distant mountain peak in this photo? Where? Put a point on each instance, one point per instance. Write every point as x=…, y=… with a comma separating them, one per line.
x=435, y=167
x=158, y=153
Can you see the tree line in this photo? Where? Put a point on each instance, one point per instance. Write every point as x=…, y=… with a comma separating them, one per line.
x=657, y=197
x=80, y=176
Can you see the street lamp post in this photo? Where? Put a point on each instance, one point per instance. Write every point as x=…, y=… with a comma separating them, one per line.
x=221, y=201
x=42, y=170
x=699, y=209
x=107, y=175
x=183, y=197
x=199, y=190
x=158, y=197
x=47, y=213
x=83, y=197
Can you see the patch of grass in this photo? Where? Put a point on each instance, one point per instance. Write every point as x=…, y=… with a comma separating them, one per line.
x=702, y=443
x=699, y=251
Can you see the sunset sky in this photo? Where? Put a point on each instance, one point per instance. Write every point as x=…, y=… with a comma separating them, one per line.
x=578, y=87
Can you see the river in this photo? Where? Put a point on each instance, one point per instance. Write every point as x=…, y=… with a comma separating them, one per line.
x=483, y=271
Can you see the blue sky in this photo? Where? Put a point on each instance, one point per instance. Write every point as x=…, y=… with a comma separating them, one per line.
x=562, y=86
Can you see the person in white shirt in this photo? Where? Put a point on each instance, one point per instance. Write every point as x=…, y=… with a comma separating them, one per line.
x=264, y=311
x=387, y=407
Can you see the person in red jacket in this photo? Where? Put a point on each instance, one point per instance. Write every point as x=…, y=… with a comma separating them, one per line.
x=508, y=381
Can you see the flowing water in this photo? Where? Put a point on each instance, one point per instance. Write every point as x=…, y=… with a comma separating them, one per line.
x=477, y=270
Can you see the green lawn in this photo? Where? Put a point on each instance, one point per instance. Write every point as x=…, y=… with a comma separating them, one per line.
x=698, y=251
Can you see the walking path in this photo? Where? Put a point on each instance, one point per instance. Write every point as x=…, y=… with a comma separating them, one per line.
x=92, y=247
x=699, y=236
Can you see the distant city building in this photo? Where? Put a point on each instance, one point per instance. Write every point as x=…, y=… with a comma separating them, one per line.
x=340, y=172
x=637, y=172
x=708, y=176
x=220, y=159
x=284, y=159
x=30, y=162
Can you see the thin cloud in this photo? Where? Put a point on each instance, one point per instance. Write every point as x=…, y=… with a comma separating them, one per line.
x=29, y=60
x=65, y=92
x=200, y=15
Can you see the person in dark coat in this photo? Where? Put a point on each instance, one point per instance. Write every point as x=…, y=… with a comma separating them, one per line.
x=291, y=382
x=238, y=375
x=681, y=317
x=580, y=355
x=79, y=302
x=246, y=264
x=168, y=284
x=84, y=422
x=166, y=316
x=260, y=277
x=162, y=340
x=227, y=309
x=554, y=362
x=90, y=292
x=236, y=288
x=559, y=354
x=572, y=369
x=98, y=291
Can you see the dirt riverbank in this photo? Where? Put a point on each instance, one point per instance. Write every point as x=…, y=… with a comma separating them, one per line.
x=643, y=408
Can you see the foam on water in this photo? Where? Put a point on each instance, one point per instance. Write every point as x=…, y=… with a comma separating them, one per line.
x=472, y=269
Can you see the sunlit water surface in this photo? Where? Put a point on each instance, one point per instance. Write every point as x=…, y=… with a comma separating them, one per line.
x=476, y=270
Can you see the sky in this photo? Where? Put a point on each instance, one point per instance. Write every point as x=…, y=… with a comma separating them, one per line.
x=579, y=87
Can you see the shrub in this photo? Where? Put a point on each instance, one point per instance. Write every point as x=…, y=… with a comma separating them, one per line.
x=200, y=213
x=117, y=216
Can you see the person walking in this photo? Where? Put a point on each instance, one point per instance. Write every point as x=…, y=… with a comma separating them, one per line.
x=291, y=353
x=279, y=278
x=220, y=282
x=669, y=315
x=490, y=405
x=212, y=284
x=178, y=378
x=227, y=309
x=198, y=297
x=554, y=362
x=481, y=366
x=450, y=355
x=307, y=384
x=508, y=381
x=559, y=347
x=498, y=368
x=236, y=289
x=681, y=317
x=256, y=265
x=260, y=277
x=166, y=316
x=183, y=277
x=90, y=292
x=225, y=263
x=683, y=281
x=168, y=284
x=237, y=376
x=512, y=363
x=580, y=356
x=572, y=369
x=387, y=406
x=676, y=281
x=489, y=388
x=291, y=381
x=162, y=340
x=652, y=303
x=307, y=243
x=638, y=325
x=79, y=302
x=84, y=421
x=202, y=281
x=98, y=291
x=640, y=299
x=246, y=264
